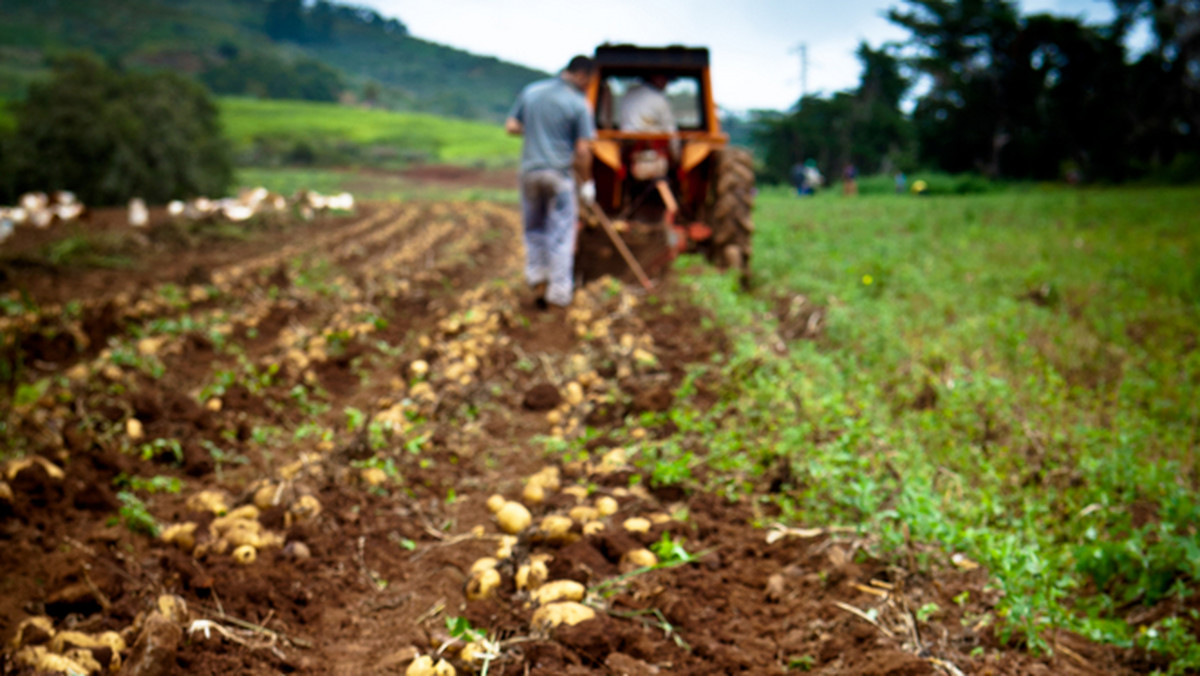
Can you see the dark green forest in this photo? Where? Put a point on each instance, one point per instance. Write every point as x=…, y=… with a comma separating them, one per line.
x=1036, y=97
x=266, y=48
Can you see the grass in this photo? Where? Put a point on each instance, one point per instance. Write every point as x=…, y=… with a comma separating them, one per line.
x=1012, y=376
x=325, y=133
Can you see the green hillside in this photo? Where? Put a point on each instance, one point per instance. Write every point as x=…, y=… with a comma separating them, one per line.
x=298, y=132
x=325, y=51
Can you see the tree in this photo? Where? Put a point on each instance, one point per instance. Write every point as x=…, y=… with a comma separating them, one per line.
x=285, y=20
x=864, y=126
x=962, y=123
x=108, y=136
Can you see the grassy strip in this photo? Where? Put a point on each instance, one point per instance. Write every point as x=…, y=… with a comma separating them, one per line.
x=1013, y=377
x=324, y=133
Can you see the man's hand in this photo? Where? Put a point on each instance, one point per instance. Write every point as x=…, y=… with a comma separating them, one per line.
x=587, y=192
x=513, y=126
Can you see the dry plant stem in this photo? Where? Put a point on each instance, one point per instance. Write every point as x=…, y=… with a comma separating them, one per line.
x=863, y=616
x=275, y=635
x=954, y=671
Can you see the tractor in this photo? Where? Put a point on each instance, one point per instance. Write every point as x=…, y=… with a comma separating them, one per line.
x=662, y=193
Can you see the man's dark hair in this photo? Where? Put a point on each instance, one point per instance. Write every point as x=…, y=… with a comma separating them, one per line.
x=581, y=64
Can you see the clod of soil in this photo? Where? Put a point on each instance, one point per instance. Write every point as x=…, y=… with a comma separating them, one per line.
x=542, y=397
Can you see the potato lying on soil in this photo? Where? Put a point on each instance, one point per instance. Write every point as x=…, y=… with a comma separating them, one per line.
x=640, y=558
x=606, y=505
x=33, y=631
x=505, y=548
x=569, y=613
x=495, y=502
x=245, y=554
x=486, y=563
x=534, y=494
x=482, y=584
x=558, y=590
x=577, y=492
x=555, y=528
x=532, y=574
x=514, y=518
x=637, y=524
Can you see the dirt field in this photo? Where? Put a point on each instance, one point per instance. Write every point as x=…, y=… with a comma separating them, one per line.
x=355, y=388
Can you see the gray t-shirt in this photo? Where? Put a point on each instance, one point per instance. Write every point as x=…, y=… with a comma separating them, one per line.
x=555, y=115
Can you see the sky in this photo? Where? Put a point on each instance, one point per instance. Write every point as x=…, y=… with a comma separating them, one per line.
x=756, y=63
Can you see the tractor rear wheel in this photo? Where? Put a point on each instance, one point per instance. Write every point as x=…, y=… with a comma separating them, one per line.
x=732, y=206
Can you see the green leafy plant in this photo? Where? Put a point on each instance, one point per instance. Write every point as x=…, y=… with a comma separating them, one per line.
x=135, y=516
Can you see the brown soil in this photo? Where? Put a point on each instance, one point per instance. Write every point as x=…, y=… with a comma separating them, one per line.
x=317, y=323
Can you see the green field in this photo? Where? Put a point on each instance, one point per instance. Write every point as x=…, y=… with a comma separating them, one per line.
x=292, y=132
x=1013, y=377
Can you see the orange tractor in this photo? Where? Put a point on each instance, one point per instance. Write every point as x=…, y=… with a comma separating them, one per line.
x=661, y=193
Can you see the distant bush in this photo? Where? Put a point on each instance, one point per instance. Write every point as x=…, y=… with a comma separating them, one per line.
x=110, y=136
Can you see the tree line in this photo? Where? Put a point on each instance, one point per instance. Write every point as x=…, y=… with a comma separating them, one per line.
x=1036, y=97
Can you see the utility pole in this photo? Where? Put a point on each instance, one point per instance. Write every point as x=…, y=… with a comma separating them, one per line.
x=802, y=50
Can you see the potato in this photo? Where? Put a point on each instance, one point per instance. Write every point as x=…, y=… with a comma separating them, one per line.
x=245, y=554
x=558, y=590
x=173, y=608
x=214, y=404
x=6, y=493
x=245, y=512
x=659, y=518
x=555, y=527
x=584, y=513
x=592, y=528
x=373, y=476
x=422, y=666
x=574, y=393
x=444, y=668
x=84, y=658
x=208, y=501
x=504, y=549
x=606, y=506
x=495, y=502
x=534, y=494
x=34, y=630
x=182, y=535
x=486, y=563
x=577, y=492
x=641, y=558
x=264, y=496
x=513, y=518
x=532, y=574
x=419, y=368
x=305, y=507
x=482, y=584
x=613, y=460
x=637, y=524
x=548, y=477
x=565, y=612
x=134, y=429
x=472, y=653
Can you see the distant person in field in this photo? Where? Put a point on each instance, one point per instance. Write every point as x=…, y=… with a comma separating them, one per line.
x=850, y=180
x=557, y=124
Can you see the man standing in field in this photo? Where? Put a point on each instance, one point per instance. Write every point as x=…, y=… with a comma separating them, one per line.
x=555, y=120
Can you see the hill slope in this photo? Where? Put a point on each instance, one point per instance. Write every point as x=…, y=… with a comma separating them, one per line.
x=327, y=48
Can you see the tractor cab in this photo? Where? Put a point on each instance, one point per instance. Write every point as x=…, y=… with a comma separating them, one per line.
x=656, y=176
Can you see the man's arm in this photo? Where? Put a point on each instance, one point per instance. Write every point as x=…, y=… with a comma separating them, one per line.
x=514, y=127
x=583, y=160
